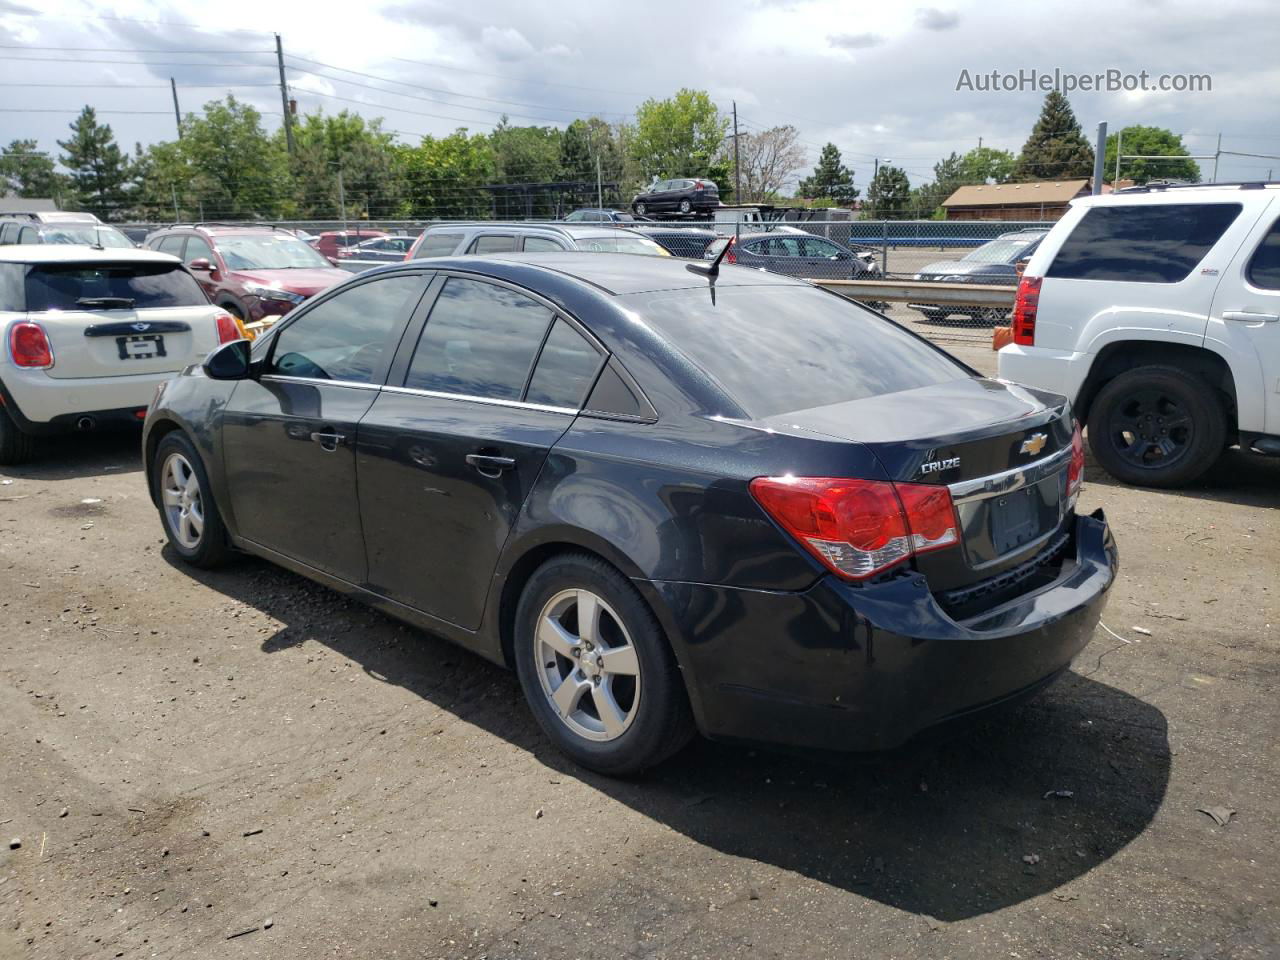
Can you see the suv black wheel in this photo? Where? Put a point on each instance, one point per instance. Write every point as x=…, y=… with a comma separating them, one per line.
x=640, y=208
x=1157, y=426
x=190, y=516
x=16, y=446
x=596, y=669
x=685, y=206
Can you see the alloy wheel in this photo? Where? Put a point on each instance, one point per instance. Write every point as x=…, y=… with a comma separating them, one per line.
x=587, y=665
x=1151, y=428
x=183, y=501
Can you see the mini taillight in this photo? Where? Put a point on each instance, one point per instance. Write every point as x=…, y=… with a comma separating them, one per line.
x=858, y=528
x=1025, y=305
x=229, y=328
x=1075, y=472
x=29, y=346
x=729, y=255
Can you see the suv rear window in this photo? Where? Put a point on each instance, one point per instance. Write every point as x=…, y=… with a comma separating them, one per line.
x=821, y=348
x=65, y=286
x=1142, y=244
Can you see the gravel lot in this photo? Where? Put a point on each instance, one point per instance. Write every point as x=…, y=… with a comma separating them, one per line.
x=242, y=764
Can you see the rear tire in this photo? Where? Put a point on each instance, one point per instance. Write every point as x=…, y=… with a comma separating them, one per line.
x=192, y=523
x=685, y=207
x=605, y=688
x=640, y=209
x=1157, y=426
x=16, y=446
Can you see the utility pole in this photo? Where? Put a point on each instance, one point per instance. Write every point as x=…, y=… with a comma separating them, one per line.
x=177, y=217
x=599, y=185
x=342, y=199
x=737, y=173
x=1214, y=178
x=284, y=96
x=979, y=143
x=1100, y=158
x=177, y=114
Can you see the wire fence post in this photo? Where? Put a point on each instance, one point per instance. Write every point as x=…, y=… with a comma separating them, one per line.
x=884, y=246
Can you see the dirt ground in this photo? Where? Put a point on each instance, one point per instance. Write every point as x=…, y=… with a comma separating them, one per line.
x=242, y=764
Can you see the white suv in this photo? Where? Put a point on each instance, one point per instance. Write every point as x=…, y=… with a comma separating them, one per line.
x=1157, y=312
x=89, y=333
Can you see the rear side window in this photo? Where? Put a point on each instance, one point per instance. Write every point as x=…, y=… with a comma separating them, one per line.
x=479, y=341
x=79, y=286
x=11, y=294
x=566, y=368
x=819, y=348
x=500, y=244
x=1264, y=266
x=1142, y=244
x=438, y=244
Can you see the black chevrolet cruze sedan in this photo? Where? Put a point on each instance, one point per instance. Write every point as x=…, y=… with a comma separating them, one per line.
x=740, y=505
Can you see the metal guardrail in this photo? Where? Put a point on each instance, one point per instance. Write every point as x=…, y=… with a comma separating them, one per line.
x=952, y=294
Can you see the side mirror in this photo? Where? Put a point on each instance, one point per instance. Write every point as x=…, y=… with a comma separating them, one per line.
x=200, y=263
x=229, y=362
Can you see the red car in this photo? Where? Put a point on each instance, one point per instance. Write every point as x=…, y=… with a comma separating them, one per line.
x=256, y=273
x=331, y=241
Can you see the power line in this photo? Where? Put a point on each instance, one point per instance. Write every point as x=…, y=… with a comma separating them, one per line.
x=138, y=63
x=136, y=86
x=27, y=46
x=139, y=113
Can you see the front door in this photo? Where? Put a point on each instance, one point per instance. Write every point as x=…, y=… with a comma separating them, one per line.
x=289, y=437
x=448, y=454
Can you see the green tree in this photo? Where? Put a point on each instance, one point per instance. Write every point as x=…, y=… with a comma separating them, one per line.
x=443, y=175
x=1149, y=141
x=582, y=142
x=239, y=170
x=831, y=179
x=1056, y=149
x=682, y=136
x=526, y=155
x=948, y=174
x=889, y=195
x=27, y=172
x=99, y=168
x=326, y=144
x=165, y=182
x=987, y=165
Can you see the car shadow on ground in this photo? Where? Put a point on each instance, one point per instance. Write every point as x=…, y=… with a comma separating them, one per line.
x=79, y=455
x=1236, y=478
x=951, y=830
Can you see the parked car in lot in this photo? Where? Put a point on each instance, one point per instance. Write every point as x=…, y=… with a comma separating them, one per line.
x=683, y=196
x=599, y=215
x=1158, y=313
x=258, y=274
x=794, y=253
x=330, y=242
x=370, y=253
x=683, y=241
x=994, y=262
x=61, y=228
x=88, y=334
x=456, y=239
x=769, y=514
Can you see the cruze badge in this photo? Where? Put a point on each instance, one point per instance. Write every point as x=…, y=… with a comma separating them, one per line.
x=936, y=466
x=141, y=326
x=1034, y=443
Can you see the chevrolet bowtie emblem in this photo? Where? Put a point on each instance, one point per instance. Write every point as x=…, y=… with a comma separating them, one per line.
x=1034, y=444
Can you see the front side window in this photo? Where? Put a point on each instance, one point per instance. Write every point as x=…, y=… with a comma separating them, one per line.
x=1264, y=265
x=273, y=251
x=171, y=244
x=350, y=335
x=437, y=244
x=1156, y=243
x=198, y=249
x=493, y=244
x=541, y=245
x=817, y=247
x=479, y=341
x=28, y=235
x=108, y=286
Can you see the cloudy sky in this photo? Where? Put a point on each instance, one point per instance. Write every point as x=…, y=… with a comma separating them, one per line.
x=879, y=80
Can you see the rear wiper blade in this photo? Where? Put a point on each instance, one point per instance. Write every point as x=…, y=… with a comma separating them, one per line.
x=106, y=302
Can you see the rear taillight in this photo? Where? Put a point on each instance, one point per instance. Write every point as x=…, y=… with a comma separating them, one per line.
x=229, y=329
x=29, y=346
x=1075, y=472
x=1025, y=305
x=858, y=528
x=729, y=255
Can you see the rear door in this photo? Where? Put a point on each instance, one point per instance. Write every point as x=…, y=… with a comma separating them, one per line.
x=453, y=445
x=289, y=437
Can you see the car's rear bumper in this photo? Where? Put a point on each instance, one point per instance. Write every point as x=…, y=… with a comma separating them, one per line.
x=867, y=668
x=41, y=404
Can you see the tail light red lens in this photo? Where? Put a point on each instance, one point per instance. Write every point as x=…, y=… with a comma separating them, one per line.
x=228, y=328
x=858, y=528
x=29, y=346
x=1025, y=305
x=730, y=256
x=1075, y=472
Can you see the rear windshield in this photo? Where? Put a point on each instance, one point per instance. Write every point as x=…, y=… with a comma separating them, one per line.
x=108, y=286
x=1158, y=243
x=86, y=233
x=777, y=349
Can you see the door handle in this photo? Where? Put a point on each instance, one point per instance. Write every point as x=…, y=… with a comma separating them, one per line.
x=490, y=465
x=1248, y=316
x=329, y=441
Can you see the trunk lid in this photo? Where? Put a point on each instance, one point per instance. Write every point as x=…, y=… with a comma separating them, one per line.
x=125, y=342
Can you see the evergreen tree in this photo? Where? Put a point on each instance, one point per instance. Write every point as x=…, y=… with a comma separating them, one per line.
x=831, y=179
x=1056, y=149
x=100, y=170
x=27, y=172
x=948, y=175
x=889, y=195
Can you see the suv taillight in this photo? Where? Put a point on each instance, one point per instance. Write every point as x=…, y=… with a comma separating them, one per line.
x=229, y=329
x=29, y=346
x=1025, y=305
x=858, y=528
x=1075, y=472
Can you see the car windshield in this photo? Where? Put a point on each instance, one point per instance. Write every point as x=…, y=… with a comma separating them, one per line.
x=94, y=286
x=87, y=233
x=997, y=251
x=818, y=348
x=275, y=251
x=622, y=243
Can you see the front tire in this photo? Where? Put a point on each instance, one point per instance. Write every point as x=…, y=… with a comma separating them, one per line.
x=16, y=446
x=188, y=512
x=1157, y=426
x=596, y=670
x=685, y=207
x=640, y=209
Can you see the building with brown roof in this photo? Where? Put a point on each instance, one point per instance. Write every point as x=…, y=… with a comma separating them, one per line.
x=1037, y=200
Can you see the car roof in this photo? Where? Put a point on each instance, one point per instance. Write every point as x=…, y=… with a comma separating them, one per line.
x=75, y=253
x=1183, y=193
x=222, y=229
x=574, y=230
